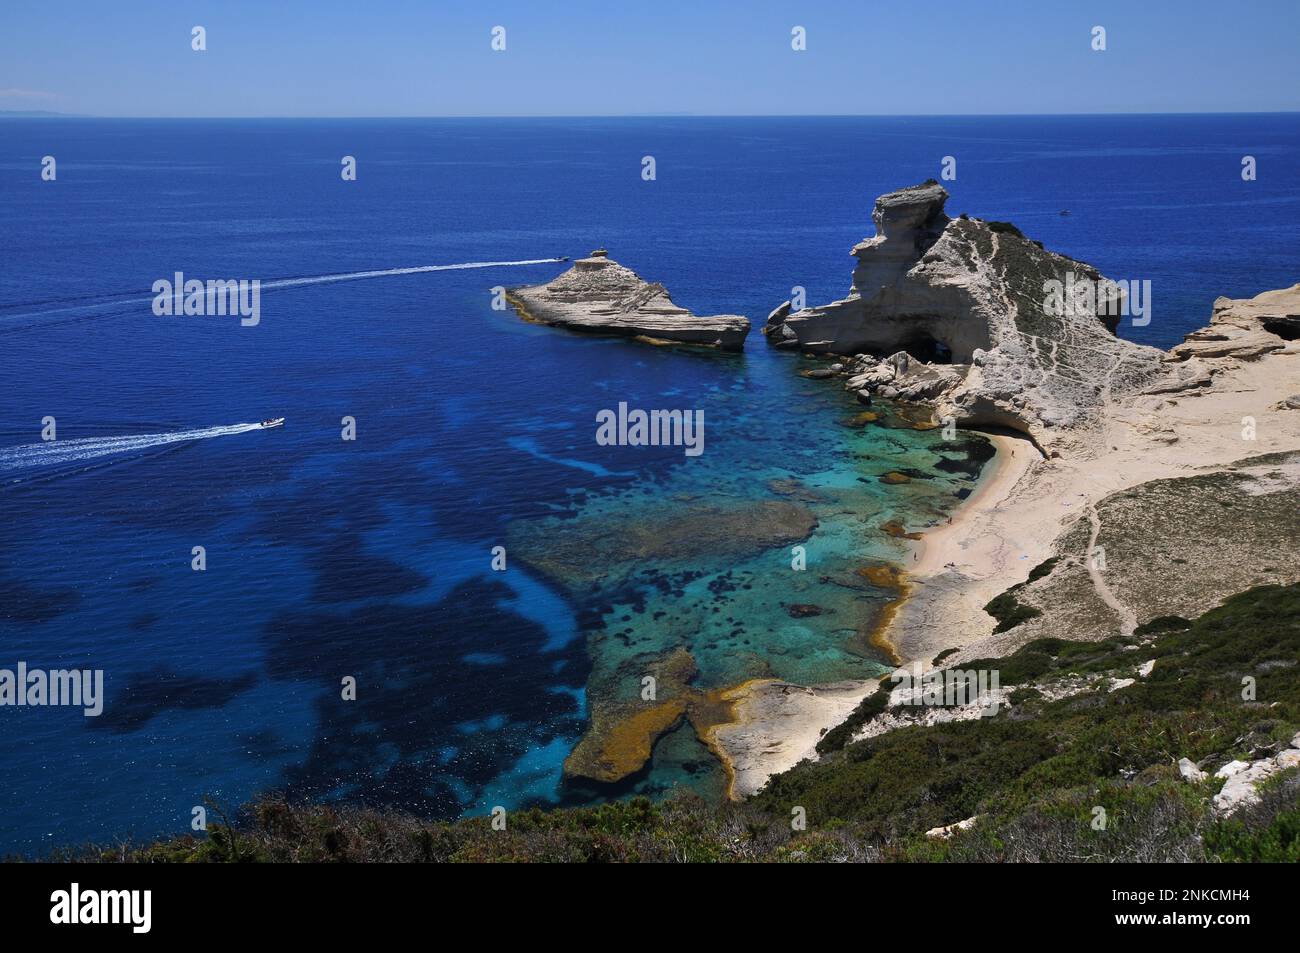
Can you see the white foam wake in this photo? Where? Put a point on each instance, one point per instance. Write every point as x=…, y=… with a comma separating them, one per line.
x=272, y=284
x=62, y=452
x=388, y=272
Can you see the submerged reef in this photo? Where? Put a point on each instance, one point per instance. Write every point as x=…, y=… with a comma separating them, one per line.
x=684, y=601
x=579, y=552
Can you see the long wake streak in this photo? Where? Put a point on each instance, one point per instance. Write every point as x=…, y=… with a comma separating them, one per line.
x=387, y=272
x=271, y=284
x=57, y=453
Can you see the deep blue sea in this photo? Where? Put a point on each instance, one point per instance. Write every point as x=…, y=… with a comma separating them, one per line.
x=371, y=558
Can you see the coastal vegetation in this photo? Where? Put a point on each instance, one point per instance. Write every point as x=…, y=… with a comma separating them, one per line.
x=1120, y=770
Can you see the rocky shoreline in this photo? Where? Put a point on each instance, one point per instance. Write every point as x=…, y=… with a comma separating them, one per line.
x=955, y=313
x=1102, y=445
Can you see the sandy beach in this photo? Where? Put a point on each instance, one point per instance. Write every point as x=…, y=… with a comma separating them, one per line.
x=952, y=542
x=1008, y=526
x=778, y=724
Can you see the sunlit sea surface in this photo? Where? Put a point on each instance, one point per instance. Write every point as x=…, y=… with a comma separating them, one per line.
x=371, y=559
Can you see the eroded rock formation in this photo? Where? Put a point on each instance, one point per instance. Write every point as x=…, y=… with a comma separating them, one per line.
x=600, y=295
x=958, y=312
x=1247, y=328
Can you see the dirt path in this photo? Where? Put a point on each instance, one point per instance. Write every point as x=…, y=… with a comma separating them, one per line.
x=1127, y=617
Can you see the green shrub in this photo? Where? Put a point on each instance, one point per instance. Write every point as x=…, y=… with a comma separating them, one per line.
x=1009, y=611
x=1279, y=842
x=1163, y=623
x=868, y=708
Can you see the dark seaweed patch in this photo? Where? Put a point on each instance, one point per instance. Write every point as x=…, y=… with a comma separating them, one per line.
x=418, y=698
x=149, y=694
x=345, y=572
x=29, y=605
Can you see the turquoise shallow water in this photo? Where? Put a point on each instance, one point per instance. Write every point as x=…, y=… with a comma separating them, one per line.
x=698, y=583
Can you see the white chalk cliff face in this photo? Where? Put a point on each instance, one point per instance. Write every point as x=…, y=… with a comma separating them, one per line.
x=957, y=313
x=598, y=294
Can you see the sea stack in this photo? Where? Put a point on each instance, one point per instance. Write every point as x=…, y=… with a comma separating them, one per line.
x=599, y=295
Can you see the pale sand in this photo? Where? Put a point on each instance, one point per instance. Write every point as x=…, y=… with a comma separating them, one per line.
x=946, y=542
x=997, y=539
x=781, y=726
x=1008, y=526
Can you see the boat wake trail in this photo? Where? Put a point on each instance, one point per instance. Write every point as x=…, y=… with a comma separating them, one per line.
x=389, y=272
x=56, y=455
x=86, y=304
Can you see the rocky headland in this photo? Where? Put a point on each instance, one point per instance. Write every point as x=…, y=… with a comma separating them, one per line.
x=1130, y=484
x=601, y=296
x=954, y=312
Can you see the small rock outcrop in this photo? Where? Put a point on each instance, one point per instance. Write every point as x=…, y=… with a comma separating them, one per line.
x=598, y=294
x=1241, y=779
x=943, y=833
x=960, y=312
x=1246, y=328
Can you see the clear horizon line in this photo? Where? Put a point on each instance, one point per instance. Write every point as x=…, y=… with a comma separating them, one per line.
x=47, y=114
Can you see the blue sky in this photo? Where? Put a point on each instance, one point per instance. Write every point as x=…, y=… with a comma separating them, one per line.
x=576, y=57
